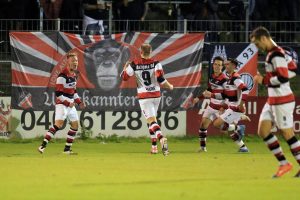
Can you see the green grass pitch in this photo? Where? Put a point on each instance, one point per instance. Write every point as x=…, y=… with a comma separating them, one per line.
x=125, y=170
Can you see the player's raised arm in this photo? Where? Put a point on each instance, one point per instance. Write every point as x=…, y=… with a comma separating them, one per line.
x=127, y=71
x=167, y=85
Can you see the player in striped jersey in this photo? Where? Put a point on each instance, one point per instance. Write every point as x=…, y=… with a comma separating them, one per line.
x=235, y=94
x=216, y=85
x=149, y=76
x=280, y=105
x=66, y=97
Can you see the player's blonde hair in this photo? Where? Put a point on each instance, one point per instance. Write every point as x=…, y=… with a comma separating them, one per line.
x=146, y=49
x=71, y=54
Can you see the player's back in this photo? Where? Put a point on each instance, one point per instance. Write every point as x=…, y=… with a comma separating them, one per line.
x=146, y=73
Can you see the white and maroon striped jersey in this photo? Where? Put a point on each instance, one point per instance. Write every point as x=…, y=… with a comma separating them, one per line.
x=216, y=86
x=235, y=90
x=277, y=78
x=65, y=88
x=149, y=75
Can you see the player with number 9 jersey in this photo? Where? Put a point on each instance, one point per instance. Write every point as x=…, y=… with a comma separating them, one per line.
x=149, y=76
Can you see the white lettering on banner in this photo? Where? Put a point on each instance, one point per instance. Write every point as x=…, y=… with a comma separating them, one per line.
x=50, y=101
x=251, y=107
x=246, y=55
x=165, y=100
x=119, y=100
x=36, y=123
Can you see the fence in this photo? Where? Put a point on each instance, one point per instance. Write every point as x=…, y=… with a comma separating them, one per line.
x=216, y=31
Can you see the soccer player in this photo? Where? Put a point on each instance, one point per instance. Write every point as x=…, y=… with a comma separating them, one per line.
x=280, y=105
x=66, y=97
x=235, y=94
x=216, y=85
x=149, y=77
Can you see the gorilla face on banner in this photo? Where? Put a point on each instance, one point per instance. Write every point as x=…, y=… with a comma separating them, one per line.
x=104, y=61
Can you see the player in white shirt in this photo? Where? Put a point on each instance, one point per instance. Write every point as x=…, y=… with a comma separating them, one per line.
x=149, y=76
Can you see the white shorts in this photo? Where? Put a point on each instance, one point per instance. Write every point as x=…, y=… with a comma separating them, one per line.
x=210, y=113
x=149, y=106
x=230, y=116
x=280, y=115
x=62, y=112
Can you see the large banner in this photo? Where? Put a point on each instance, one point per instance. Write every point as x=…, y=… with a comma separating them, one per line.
x=39, y=57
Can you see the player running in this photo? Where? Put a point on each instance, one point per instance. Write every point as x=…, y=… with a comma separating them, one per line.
x=216, y=85
x=149, y=76
x=235, y=94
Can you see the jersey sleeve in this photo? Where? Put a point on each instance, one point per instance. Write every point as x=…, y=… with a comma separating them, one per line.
x=282, y=75
x=127, y=72
x=159, y=73
x=242, y=87
x=292, y=67
x=77, y=98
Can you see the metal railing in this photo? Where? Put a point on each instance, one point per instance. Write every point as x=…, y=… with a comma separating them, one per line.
x=216, y=31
